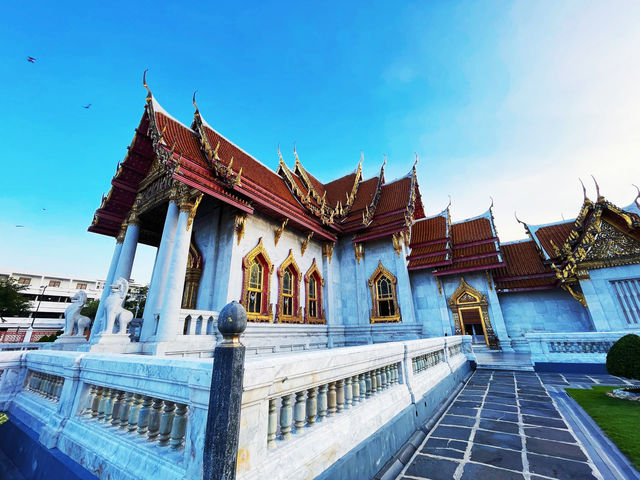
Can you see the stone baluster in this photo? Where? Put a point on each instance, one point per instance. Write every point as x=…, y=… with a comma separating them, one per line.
x=117, y=408
x=154, y=419
x=312, y=406
x=348, y=392
x=90, y=396
x=322, y=402
x=143, y=417
x=272, y=426
x=300, y=411
x=108, y=405
x=106, y=395
x=340, y=395
x=374, y=382
x=59, y=385
x=369, y=379
x=45, y=386
x=179, y=427
x=134, y=412
x=285, y=417
x=363, y=386
x=125, y=410
x=355, y=387
x=378, y=380
x=331, y=400
x=384, y=380
x=166, y=422
x=96, y=401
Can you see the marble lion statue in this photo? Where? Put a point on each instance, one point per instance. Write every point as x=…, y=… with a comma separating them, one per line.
x=72, y=318
x=114, y=310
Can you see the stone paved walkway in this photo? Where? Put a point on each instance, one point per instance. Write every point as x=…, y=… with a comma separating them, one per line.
x=504, y=425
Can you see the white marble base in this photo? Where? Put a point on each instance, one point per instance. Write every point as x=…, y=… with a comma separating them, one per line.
x=69, y=343
x=115, y=343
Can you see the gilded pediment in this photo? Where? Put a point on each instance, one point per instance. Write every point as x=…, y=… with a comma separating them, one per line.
x=611, y=247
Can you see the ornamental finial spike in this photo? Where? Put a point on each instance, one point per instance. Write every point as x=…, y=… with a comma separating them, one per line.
x=449, y=204
x=416, y=162
x=144, y=84
x=584, y=190
x=361, y=156
x=517, y=219
x=491, y=206
x=384, y=161
x=637, y=196
x=194, y=101
x=597, y=187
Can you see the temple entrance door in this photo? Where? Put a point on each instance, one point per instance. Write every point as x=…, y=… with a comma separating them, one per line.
x=471, y=319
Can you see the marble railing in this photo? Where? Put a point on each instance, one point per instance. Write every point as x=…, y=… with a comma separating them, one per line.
x=160, y=421
x=300, y=412
x=13, y=347
x=582, y=347
x=295, y=412
x=44, y=384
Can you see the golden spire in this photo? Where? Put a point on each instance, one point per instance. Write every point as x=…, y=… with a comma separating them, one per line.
x=144, y=84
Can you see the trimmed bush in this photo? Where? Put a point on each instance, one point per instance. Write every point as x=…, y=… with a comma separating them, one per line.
x=623, y=360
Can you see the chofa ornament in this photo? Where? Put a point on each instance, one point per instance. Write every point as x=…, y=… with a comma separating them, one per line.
x=114, y=309
x=72, y=318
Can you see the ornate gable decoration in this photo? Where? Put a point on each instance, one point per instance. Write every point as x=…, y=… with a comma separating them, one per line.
x=370, y=210
x=465, y=293
x=466, y=297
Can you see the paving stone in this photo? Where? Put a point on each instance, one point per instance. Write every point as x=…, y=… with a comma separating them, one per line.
x=469, y=412
x=544, y=422
x=432, y=468
x=467, y=403
x=559, y=468
x=458, y=420
x=497, y=457
x=556, y=449
x=496, y=415
x=540, y=412
x=502, y=400
x=501, y=407
x=498, y=439
x=498, y=426
x=446, y=443
x=457, y=433
x=547, y=404
x=550, y=434
x=474, y=471
x=444, y=452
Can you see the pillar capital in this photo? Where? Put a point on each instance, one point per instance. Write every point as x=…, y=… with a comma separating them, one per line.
x=122, y=233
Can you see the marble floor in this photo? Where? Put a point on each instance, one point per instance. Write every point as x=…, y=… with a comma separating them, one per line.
x=512, y=425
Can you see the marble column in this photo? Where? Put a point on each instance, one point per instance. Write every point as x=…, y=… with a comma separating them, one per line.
x=97, y=324
x=160, y=272
x=172, y=297
x=128, y=252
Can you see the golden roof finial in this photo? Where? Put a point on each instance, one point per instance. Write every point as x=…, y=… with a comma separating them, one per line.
x=584, y=190
x=491, y=206
x=416, y=162
x=194, y=102
x=144, y=84
x=636, y=200
x=597, y=187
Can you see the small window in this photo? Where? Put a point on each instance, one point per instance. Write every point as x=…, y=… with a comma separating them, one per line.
x=313, y=297
x=383, y=296
x=24, y=281
x=254, y=295
x=287, y=293
x=54, y=283
x=386, y=301
x=81, y=286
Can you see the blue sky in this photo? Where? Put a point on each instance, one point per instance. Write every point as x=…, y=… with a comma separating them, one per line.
x=514, y=100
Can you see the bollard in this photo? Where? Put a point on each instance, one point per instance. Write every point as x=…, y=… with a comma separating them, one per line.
x=225, y=398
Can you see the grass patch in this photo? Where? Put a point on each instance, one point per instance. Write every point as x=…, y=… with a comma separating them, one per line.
x=619, y=419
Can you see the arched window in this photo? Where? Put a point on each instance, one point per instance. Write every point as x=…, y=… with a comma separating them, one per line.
x=257, y=270
x=383, y=296
x=314, y=313
x=288, y=310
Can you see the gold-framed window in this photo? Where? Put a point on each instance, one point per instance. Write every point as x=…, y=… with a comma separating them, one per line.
x=314, y=313
x=257, y=269
x=289, y=310
x=384, y=300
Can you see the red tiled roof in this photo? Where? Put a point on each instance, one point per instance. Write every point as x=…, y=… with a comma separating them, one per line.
x=524, y=269
x=429, y=230
x=186, y=141
x=556, y=233
x=471, y=231
x=338, y=189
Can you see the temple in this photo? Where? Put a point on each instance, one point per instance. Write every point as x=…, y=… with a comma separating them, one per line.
x=349, y=262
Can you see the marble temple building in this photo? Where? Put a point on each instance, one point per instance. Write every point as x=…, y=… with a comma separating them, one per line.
x=349, y=262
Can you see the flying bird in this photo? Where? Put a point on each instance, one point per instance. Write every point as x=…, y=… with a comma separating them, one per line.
x=88, y=106
x=31, y=60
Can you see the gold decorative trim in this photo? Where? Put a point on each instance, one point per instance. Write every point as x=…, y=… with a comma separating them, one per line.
x=305, y=244
x=468, y=298
x=239, y=224
x=192, y=277
x=266, y=312
x=327, y=250
x=381, y=271
x=488, y=275
x=314, y=271
x=397, y=243
x=290, y=261
x=279, y=230
x=192, y=211
x=358, y=249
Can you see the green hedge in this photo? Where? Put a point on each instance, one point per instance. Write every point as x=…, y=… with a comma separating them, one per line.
x=623, y=360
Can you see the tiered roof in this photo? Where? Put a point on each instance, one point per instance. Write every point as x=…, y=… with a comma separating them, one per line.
x=202, y=158
x=465, y=246
x=524, y=269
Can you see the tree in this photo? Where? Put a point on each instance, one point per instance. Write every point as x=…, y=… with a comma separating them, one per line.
x=136, y=301
x=12, y=302
x=90, y=309
x=623, y=359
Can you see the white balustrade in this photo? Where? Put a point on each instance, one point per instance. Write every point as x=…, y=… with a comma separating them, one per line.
x=45, y=385
x=572, y=347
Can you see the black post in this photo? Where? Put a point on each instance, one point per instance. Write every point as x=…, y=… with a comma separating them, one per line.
x=225, y=397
